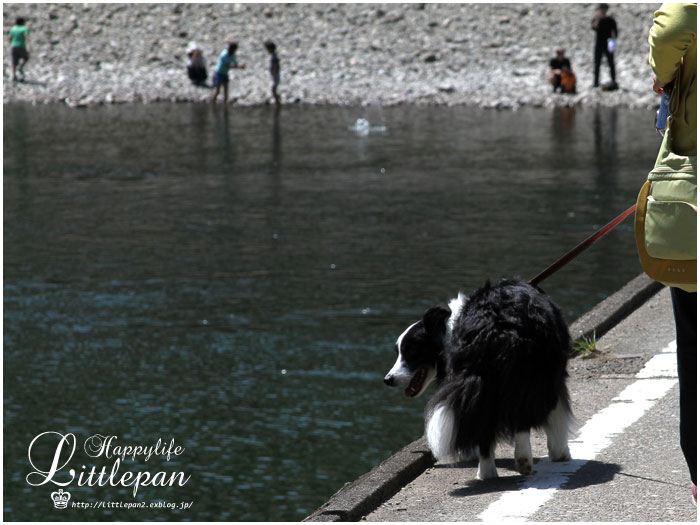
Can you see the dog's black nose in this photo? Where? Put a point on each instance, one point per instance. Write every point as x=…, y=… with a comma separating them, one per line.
x=389, y=381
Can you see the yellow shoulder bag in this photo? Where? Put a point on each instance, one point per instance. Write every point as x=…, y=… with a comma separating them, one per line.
x=665, y=222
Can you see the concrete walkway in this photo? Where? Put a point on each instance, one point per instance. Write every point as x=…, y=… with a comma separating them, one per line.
x=627, y=464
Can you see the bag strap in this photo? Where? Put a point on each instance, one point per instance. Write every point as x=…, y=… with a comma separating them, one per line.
x=674, y=101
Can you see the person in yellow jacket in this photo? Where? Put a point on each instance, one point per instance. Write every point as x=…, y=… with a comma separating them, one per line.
x=673, y=46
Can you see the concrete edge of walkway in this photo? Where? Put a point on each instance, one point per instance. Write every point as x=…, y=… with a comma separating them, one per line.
x=360, y=497
x=608, y=313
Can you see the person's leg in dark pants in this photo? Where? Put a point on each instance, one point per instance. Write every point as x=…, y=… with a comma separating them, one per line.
x=597, y=57
x=611, y=62
x=556, y=82
x=685, y=309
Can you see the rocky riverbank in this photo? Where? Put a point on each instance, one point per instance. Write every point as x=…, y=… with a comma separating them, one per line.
x=489, y=55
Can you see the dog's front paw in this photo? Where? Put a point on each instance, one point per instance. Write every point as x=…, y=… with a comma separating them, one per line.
x=560, y=456
x=483, y=474
x=524, y=466
x=487, y=469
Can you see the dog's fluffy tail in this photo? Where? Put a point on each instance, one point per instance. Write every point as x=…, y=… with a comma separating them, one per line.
x=441, y=432
x=455, y=407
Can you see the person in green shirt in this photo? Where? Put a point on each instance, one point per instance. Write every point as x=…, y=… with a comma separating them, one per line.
x=673, y=49
x=18, y=47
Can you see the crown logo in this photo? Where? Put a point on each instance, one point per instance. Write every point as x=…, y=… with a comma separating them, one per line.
x=60, y=499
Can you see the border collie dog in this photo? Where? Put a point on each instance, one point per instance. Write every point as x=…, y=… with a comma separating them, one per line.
x=499, y=358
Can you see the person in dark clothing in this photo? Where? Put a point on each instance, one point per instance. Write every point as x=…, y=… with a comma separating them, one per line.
x=685, y=311
x=561, y=75
x=196, y=66
x=605, y=29
x=274, y=69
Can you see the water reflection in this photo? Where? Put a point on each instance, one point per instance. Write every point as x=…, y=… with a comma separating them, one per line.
x=276, y=149
x=563, y=125
x=605, y=140
x=200, y=123
x=222, y=124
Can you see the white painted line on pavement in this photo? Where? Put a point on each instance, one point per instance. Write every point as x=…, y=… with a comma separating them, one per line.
x=654, y=381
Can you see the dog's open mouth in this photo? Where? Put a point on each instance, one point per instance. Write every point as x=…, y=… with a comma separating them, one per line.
x=416, y=384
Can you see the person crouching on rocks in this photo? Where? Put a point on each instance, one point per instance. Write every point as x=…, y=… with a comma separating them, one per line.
x=227, y=60
x=561, y=76
x=196, y=65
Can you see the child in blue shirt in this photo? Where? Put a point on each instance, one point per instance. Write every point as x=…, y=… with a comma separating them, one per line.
x=227, y=60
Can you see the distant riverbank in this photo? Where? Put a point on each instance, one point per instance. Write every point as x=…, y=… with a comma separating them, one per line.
x=488, y=55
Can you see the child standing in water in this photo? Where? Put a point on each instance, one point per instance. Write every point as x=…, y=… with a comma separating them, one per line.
x=227, y=60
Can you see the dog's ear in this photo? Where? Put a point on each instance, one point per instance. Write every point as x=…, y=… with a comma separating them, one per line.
x=435, y=320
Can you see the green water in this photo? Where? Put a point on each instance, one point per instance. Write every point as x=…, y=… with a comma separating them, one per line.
x=235, y=280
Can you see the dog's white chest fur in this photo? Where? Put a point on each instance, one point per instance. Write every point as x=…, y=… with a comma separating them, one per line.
x=455, y=306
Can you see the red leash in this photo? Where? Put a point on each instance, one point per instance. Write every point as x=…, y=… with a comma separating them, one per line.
x=567, y=257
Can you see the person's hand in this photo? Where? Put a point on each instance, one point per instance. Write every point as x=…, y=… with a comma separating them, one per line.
x=658, y=86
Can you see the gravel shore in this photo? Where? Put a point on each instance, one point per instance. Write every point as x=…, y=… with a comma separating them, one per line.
x=488, y=55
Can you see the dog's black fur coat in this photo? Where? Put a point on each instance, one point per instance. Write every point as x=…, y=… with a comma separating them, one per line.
x=502, y=369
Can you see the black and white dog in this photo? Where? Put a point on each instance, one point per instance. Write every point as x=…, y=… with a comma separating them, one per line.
x=499, y=358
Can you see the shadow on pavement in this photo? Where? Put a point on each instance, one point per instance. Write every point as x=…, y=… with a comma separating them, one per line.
x=590, y=473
